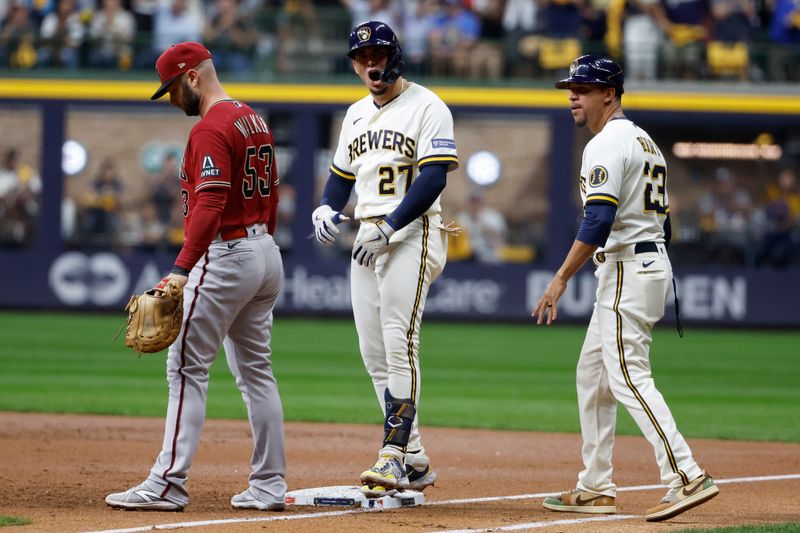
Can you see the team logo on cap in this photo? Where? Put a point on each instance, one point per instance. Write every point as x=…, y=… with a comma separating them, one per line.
x=598, y=176
x=364, y=33
x=181, y=65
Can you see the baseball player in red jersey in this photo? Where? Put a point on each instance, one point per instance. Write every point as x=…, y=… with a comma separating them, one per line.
x=232, y=274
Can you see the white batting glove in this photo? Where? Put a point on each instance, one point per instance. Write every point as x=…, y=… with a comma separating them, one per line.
x=372, y=242
x=325, y=220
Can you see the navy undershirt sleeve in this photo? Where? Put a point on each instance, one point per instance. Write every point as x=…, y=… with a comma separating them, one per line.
x=596, y=224
x=337, y=191
x=667, y=231
x=420, y=196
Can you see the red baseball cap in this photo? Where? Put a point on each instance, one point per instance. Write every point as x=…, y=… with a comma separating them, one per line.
x=176, y=60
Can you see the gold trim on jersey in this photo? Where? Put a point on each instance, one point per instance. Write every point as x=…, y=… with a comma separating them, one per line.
x=411, y=327
x=602, y=198
x=339, y=172
x=623, y=365
x=437, y=159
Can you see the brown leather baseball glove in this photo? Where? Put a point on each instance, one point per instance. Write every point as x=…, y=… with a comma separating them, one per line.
x=154, y=317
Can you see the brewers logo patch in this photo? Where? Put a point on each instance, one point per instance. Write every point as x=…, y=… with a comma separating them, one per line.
x=598, y=176
x=364, y=33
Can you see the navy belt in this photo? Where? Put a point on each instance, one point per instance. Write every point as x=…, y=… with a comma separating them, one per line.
x=645, y=247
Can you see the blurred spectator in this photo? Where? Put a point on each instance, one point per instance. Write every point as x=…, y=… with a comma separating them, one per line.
x=111, y=34
x=143, y=13
x=729, y=49
x=20, y=190
x=365, y=10
x=521, y=25
x=784, y=31
x=561, y=43
x=286, y=212
x=782, y=214
x=724, y=219
x=417, y=20
x=453, y=34
x=484, y=228
x=642, y=39
x=165, y=184
x=101, y=222
x=594, y=22
x=61, y=36
x=231, y=38
x=300, y=39
x=144, y=230
x=18, y=38
x=684, y=22
x=174, y=21
x=486, y=59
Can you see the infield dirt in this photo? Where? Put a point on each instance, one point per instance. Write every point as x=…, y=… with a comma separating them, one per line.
x=57, y=470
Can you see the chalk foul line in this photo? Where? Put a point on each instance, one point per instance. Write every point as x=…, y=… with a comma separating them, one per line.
x=511, y=527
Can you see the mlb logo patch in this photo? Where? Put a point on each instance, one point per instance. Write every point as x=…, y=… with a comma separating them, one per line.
x=444, y=143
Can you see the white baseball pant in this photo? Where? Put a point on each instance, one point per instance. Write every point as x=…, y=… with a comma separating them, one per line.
x=388, y=302
x=614, y=366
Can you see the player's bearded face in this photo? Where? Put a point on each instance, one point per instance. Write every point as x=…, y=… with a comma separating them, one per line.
x=190, y=100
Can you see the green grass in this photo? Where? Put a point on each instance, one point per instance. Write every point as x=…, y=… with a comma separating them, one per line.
x=13, y=521
x=733, y=384
x=787, y=527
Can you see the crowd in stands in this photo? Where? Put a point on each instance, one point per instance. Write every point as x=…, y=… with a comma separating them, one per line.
x=473, y=39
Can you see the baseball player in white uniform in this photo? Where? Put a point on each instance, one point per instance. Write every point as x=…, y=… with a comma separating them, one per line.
x=396, y=146
x=625, y=230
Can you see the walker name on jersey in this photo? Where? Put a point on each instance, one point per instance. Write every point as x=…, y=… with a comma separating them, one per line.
x=250, y=125
x=382, y=140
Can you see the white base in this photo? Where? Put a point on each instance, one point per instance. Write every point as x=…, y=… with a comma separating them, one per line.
x=349, y=496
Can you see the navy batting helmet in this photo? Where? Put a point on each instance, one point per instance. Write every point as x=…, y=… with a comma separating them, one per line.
x=593, y=68
x=376, y=33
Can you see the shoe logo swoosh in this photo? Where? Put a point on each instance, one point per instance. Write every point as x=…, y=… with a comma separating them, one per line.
x=232, y=245
x=646, y=264
x=581, y=501
x=692, y=491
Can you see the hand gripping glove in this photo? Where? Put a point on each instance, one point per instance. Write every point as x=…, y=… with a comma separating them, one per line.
x=154, y=318
x=325, y=220
x=372, y=241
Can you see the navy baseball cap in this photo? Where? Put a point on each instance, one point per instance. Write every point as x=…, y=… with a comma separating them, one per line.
x=176, y=60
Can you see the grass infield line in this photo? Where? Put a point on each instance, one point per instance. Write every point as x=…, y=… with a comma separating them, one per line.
x=276, y=518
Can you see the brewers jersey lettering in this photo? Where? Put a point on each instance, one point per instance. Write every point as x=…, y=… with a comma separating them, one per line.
x=384, y=148
x=622, y=166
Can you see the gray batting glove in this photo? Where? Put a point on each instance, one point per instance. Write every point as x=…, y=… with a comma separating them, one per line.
x=325, y=220
x=371, y=242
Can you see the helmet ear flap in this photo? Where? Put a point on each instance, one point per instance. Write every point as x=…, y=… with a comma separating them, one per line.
x=394, y=66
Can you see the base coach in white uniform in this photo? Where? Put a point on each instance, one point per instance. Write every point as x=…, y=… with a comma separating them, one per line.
x=625, y=230
x=396, y=147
